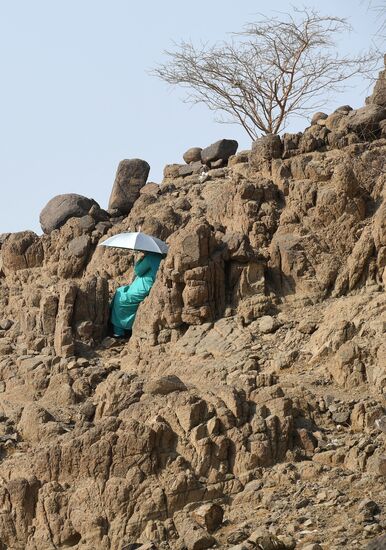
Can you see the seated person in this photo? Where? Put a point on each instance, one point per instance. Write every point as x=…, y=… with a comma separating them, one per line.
x=127, y=298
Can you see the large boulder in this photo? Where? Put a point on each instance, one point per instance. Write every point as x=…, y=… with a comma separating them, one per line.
x=220, y=150
x=131, y=176
x=63, y=207
x=192, y=155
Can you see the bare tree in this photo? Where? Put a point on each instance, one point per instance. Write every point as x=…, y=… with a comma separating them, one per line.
x=274, y=69
x=379, y=9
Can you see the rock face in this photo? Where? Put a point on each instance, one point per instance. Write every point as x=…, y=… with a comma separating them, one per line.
x=365, y=121
x=22, y=250
x=192, y=168
x=131, y=176
x=165, y=385
x=247, y=409
x=63, y=207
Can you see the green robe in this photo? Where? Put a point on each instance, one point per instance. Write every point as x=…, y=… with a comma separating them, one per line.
x=127, y=298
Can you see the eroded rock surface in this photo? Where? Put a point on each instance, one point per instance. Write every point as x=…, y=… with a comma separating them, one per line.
x=247, y=410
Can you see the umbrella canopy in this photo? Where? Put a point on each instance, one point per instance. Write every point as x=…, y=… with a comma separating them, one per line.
x=137, y=241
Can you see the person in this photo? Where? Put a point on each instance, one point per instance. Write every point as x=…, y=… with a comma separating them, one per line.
x=127, y=298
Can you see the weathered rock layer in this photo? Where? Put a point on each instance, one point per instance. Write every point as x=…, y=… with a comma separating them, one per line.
x=247, y=410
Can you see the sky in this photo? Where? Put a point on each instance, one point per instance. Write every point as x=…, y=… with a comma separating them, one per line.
x=76, y=96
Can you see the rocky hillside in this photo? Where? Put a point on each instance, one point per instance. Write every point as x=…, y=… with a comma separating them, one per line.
x=247, y=411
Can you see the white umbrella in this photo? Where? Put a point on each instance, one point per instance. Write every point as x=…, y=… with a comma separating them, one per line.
x=137, y=241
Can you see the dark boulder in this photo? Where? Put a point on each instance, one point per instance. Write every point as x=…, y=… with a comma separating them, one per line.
x=222, y=149
x=131, y=176
x=63, y=207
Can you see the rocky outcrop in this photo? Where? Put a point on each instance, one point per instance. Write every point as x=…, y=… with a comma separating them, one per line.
x=206, y=275
x=247, y=410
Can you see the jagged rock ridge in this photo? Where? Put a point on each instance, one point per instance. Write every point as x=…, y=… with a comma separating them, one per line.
x=247, y=409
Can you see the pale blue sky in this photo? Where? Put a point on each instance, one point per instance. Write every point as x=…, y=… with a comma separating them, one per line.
x=76, y=96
